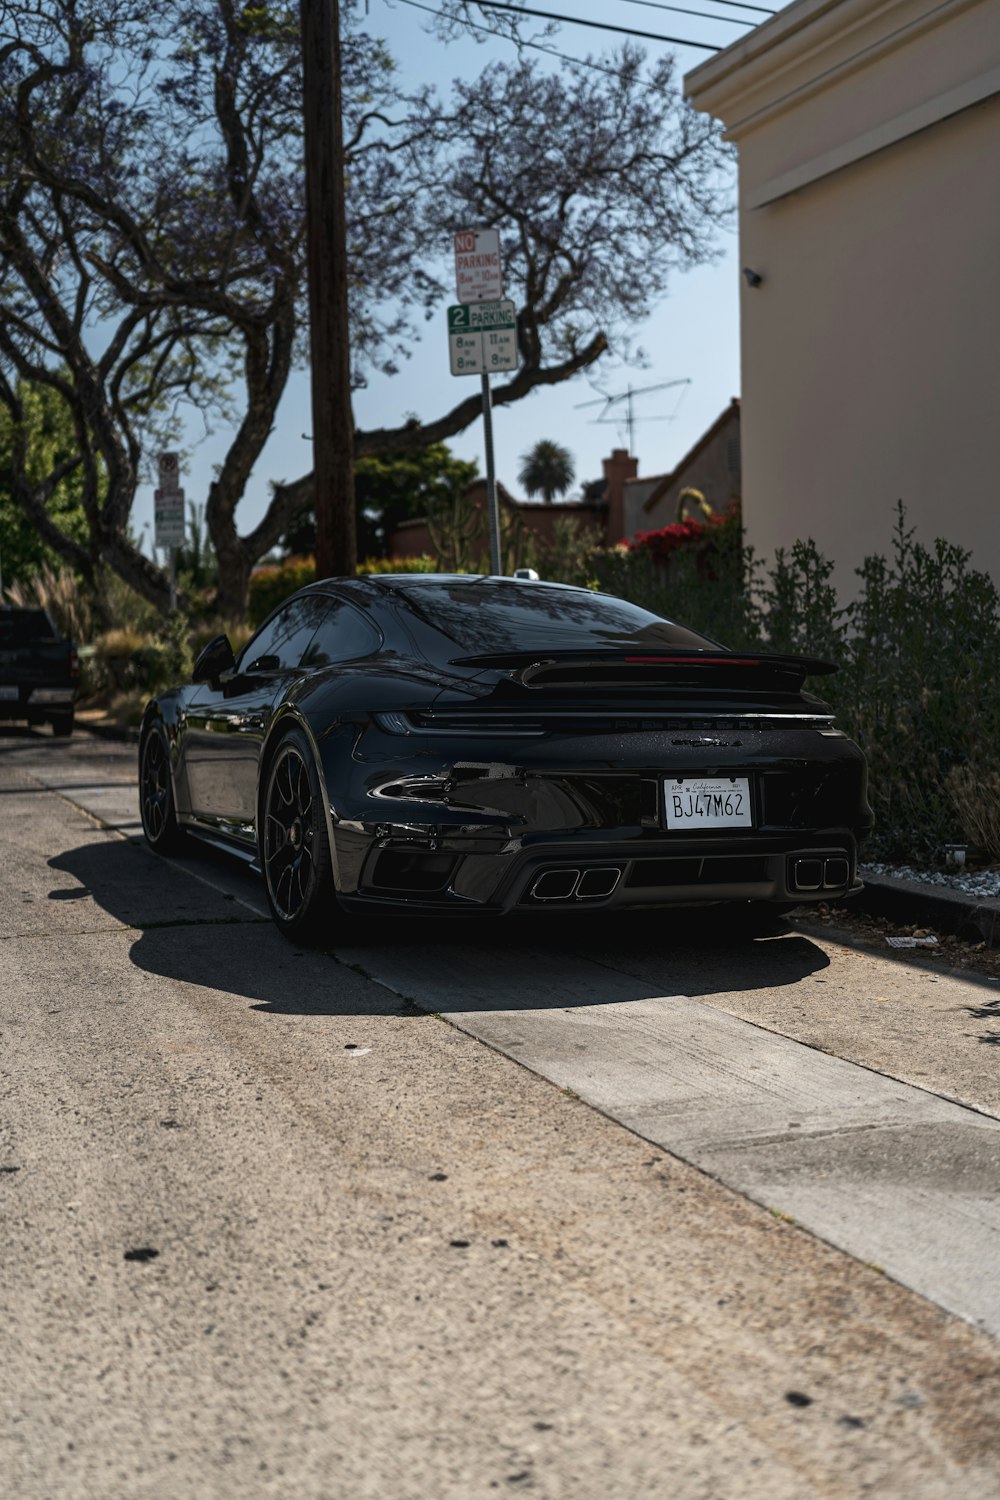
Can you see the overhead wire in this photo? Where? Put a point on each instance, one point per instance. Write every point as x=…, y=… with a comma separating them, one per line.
x=702, y=15
x=576, y=62
x=735, y=4
x=548, y=15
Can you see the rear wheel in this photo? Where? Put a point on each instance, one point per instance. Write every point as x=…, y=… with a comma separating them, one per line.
x=294, y=844
x=62, y=724
x=156, y=793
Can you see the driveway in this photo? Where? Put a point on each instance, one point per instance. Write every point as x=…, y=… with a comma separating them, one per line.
x=603, y=1209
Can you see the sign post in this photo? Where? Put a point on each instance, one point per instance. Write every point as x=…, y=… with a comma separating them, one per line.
x=482, y=337
x=168, y=501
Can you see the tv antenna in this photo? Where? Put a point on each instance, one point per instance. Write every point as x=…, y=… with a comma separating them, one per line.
x=628, y=396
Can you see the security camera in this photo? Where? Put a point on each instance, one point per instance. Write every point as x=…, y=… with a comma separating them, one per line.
x=753, y=277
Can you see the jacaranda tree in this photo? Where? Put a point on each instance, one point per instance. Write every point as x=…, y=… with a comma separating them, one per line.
x=151, y=235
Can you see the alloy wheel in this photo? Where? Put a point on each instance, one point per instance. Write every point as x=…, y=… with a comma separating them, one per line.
x=155, y=787
x=289, y=834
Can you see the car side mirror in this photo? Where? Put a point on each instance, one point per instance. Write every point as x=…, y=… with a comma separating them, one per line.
x=214, y=659
x=266, y=663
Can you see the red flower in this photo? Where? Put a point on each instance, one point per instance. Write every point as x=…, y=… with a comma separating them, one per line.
x=662, y=544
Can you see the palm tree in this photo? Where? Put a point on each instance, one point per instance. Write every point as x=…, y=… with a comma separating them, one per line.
x=546, y=469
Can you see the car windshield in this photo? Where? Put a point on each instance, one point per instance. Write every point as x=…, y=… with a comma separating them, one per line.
x=487, y=616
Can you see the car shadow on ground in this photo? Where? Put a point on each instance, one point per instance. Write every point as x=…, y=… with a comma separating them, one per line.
x=200, y=933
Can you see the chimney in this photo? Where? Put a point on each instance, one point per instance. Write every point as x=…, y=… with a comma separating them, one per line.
x=619, y=467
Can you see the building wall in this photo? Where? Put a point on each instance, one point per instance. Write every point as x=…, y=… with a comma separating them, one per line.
x=713, y=468
x=869, y=151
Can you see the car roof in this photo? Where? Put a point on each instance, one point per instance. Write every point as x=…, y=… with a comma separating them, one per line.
x=488, y=580
x=400, y=581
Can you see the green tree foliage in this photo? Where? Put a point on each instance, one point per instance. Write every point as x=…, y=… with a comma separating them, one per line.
x=547, y=469
x=917, y=648
x=42, y=443
x=389, y=490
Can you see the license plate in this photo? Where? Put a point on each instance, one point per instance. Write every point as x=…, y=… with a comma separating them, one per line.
x=8, y=693
x=708, y=802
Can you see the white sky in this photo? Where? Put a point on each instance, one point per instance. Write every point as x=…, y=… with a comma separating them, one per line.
x=693, y=332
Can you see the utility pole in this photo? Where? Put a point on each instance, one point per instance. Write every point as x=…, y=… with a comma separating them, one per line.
x=329, y=332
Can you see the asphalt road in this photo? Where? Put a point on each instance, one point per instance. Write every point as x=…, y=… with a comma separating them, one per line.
x=605, y=1210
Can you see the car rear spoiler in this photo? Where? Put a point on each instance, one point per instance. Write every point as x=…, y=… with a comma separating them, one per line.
x=632, y=666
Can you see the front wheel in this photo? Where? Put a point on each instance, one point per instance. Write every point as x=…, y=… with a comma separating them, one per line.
x=156, y=793
x=294, y=844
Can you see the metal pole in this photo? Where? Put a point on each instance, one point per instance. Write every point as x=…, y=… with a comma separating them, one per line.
x=491, y=482
x=173, y=579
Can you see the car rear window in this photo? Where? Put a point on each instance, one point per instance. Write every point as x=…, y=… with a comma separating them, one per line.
x=22, y=627
x=487, y=616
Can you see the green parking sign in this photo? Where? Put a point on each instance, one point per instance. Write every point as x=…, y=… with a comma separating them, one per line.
x=482, y=337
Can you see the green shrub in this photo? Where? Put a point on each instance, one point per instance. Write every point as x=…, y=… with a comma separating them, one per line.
x=699, y=574
x=797, y=611
x=567, y=557
x=422, y=564
x=130, y=661
x=917, y=650
x=113, y=652
x=272, y=582
x=919, y=687
x=121, y=603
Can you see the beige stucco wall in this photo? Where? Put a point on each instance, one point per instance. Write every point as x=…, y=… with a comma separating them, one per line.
x=869, y=158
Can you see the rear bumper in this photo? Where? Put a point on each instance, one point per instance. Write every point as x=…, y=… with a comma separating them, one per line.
x=38, y=703
x=436, y=832
x=571, y=875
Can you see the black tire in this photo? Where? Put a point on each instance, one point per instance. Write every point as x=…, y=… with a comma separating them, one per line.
x=62, y=725
x=156, y=793
x=294, y=843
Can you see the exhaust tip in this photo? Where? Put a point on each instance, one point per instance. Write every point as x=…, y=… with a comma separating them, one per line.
x=807, y=874
x=836, y=872
x=555, y=885
x=597, y=883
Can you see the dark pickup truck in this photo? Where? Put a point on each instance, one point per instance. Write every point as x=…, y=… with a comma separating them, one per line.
x=39, y=671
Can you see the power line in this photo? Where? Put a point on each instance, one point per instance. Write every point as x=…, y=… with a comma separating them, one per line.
x=548, y=15
x=703, y=15
x=736, y=4
x=576, y=62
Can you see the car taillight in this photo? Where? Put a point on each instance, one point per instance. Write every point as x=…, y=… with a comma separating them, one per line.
x=693, y=661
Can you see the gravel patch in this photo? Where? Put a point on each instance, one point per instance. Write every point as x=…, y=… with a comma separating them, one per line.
x=982, y=883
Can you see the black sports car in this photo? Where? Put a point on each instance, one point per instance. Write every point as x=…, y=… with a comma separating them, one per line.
x=467, y=744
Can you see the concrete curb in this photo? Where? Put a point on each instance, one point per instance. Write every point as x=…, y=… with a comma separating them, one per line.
x=946, y=910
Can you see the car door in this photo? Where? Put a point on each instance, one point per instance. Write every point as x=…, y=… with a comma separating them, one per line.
x=226, y=725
